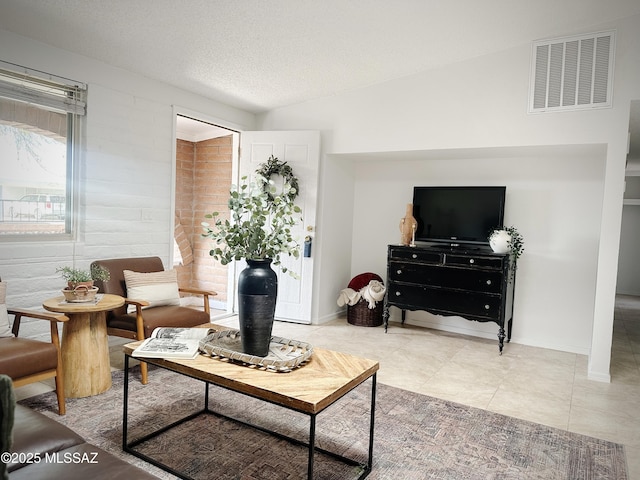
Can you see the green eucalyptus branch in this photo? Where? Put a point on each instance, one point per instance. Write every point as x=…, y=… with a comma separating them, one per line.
x=259, y=227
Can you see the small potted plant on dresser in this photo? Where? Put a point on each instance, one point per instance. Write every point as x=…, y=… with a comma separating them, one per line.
x=80, y=286
x=508, y=240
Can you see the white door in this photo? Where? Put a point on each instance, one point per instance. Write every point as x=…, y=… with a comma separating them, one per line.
x=301, y=151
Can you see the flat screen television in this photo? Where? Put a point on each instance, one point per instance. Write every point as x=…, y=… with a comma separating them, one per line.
x=458, y=215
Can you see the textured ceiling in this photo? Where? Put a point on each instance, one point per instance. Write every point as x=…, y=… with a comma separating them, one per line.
x=258, y=55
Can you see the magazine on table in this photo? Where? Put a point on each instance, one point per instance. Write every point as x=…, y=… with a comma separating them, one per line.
x=172, y=342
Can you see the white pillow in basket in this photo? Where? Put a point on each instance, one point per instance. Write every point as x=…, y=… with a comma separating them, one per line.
x=5, y=328
x=157, y=288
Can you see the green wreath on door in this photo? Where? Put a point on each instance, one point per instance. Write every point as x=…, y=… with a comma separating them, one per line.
x=273, y=166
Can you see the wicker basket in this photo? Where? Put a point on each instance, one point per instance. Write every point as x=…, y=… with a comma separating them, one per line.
x=360, y=314
x=80, y=294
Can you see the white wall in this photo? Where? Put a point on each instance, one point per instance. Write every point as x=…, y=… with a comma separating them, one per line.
x=554, y=197
x=334, y=241
x=568, y=204
x=126, y=169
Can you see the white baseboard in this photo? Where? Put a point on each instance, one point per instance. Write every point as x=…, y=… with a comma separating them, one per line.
x=329, y=317
x=491, y=333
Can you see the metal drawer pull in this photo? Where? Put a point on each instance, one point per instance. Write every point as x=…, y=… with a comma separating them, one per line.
x=487, y=307
x=399, y=272
x=414, y=256
x=488, y=282
x=398, y=294
x=471, y=260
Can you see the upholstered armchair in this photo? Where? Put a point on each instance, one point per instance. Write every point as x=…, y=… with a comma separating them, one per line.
x=26, y=360
x=151, y=299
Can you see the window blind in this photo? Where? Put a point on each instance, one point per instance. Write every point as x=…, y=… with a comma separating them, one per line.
x=42, y=89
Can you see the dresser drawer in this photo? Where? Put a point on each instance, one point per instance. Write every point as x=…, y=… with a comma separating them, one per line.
x=416, y=255
x=474, y=261
x=445, y=302
x=469, y=282
x=489, y=281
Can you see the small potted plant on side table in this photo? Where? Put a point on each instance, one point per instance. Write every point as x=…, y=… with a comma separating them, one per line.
x=80, y=282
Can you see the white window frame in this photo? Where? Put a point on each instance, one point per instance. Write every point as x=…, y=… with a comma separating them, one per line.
x=58, y=94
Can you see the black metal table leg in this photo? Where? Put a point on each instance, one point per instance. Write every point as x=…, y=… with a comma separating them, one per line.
x=129, y=447
x=372, y=420
x=312, y=445
x=125, y=402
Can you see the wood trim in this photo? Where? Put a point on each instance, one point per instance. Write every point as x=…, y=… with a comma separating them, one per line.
x=37, y=377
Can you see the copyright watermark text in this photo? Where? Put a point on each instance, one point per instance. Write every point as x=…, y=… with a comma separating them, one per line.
x=52, y=457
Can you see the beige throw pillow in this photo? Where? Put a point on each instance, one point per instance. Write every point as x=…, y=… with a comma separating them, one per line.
x=5, y=327
x=157, y=288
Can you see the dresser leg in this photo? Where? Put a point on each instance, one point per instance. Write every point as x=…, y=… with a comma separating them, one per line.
x=385, y=316
x=501, y=337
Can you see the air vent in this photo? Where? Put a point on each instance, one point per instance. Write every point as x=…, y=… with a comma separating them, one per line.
x=572, y=73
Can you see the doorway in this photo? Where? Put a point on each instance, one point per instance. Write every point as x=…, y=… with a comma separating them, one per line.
x=626, y=320
x=628, y=281
x=205, y=159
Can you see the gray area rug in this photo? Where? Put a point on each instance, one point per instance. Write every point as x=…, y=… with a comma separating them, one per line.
x=416, y=436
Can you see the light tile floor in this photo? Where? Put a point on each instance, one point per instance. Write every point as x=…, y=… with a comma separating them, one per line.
x=535, y=384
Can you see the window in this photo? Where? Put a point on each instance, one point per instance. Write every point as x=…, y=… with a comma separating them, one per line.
x=39, y=121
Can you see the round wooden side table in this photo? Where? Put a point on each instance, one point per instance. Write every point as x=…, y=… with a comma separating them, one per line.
x=85, y=345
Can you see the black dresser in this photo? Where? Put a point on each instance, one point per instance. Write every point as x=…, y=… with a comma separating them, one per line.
x=470, y=282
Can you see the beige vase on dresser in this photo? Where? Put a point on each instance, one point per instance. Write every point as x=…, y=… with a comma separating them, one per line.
x=408, y=225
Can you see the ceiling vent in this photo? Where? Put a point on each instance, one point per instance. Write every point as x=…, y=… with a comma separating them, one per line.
x=572, y=73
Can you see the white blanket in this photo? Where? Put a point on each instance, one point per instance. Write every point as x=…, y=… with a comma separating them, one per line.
x=348, y=296
x=373, y=293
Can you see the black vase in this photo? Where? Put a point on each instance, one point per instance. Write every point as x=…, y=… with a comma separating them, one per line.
x=257, y=292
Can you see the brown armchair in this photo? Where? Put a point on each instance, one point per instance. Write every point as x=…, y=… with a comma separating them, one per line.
x=140, y=325
x=28, y=361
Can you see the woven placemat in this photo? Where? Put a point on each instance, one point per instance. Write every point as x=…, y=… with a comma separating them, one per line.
x=284, y=354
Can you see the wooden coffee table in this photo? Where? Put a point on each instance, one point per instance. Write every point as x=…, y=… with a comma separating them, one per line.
x=310, y=389
x=85, y=345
